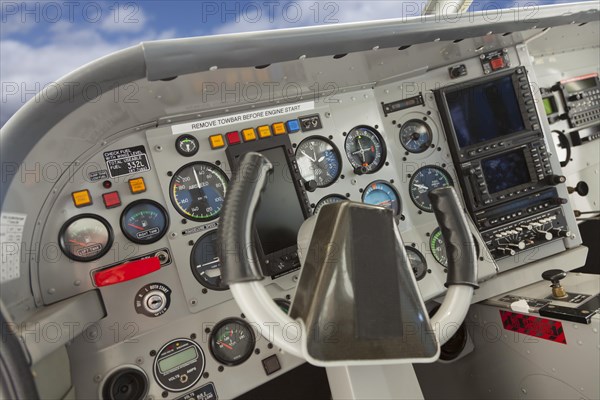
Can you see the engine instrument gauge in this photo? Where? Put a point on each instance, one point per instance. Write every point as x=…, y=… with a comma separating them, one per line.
x=417, y=262
x=206, y=265
x=198, y=191
x=423, y=181
x=381, y=193
x=365, y=149
x=85, y=237
x=144, y=221
x=187, y=145
x=232, y=341
x=179, y=364
x=332, y=198
x=438, y=247
x=416, y=136
x=319, y=160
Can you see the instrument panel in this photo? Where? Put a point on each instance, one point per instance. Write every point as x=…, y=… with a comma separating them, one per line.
x=140, y=226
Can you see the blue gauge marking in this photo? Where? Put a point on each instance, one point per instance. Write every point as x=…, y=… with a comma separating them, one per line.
x=423, y=181
x=416, y=136
x=381, y=193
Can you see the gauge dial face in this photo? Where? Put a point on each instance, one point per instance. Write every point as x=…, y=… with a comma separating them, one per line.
x=365, y=149
x=417, y=262
x=206, y=265
x=423, y=181
x=232, y=341
x=187, y=145
x=198, y=191
x=416, y=136
x=332, y=198
x=85, y=237
x=438, y=247
x=144, y=221
x=381, y=193
x=319, y=160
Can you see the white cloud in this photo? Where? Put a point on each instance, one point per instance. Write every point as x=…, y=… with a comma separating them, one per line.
x=127, y=17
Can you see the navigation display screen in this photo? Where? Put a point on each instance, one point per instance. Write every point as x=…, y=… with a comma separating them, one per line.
x=505, y=171
x=485, y=112
x=279, y=214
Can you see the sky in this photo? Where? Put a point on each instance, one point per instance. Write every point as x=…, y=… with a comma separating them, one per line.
x=40, y=41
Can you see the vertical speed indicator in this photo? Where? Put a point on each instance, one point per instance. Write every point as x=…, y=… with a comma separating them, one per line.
x=198, y=191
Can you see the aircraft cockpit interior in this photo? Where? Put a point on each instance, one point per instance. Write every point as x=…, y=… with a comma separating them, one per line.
x=392, y=209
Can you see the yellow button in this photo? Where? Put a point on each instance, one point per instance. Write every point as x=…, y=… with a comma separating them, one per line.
x=264, y=131
x=279, y=128
x=216, y=141
x=137, y=185
x=82, y=198
x=249, y=134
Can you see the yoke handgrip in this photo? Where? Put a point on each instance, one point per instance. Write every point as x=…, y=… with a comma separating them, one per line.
x=460, y=244
x=237, y=251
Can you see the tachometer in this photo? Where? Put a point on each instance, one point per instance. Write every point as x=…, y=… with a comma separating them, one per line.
x=206, y=265
x=319, y=160
x=415, y=136
x=232, y=341
x=417, y=262
x=198, y=191
x=332, y=198
x=144, y=221
x=85, y=237
x=365, y=149
x=438, y=247
x=423, y=181
x=381, y=193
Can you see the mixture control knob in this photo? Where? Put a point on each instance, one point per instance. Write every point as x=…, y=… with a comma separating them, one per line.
x=554, y=276
x=555, y=179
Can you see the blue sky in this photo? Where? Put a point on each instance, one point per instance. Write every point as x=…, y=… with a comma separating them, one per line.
x=40, y=41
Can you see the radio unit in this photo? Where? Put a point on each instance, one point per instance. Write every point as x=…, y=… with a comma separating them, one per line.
x=582, y=99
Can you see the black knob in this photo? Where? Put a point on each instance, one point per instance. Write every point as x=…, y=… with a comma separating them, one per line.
x=310, y=186
x=581, y=188
x=555, y=179
x=361, y=170
x=554, y=275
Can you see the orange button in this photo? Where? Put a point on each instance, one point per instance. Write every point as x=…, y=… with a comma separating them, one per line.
x=82, y=198
x=279, y=128
x=137, y=185
x=216, y=141
x=264, y=131
x=249, y=134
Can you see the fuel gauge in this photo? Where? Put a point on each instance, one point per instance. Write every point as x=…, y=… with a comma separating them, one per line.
x=144, y=221
x=232, y=341
x=85, y=237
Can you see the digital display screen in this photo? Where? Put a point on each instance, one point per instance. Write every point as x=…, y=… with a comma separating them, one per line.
x=582, y=84
x=505, y=171
x=168, y=363
x=485, y=112
x=279, y=214
x=549, y=105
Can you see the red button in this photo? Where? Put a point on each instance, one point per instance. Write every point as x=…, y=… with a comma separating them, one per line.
x=111, y=199
x=233, y=137
x=497, y=63
x=126, y=271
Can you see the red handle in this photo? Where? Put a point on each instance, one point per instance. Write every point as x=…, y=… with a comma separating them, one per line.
x=126, y=271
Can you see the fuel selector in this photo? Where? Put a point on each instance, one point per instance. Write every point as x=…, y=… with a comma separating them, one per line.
x=153, y=300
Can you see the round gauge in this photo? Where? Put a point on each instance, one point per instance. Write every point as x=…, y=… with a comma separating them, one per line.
x=423, y=181
x=381, y=193
x=198, y=191
x=232, y=341
x=332, y=198
x=438, y=247
x=417, y=262
x=85, y=237
x=365, y=149
x=187, y=145
x=416, y=136
x=319, y=160
x=144, y=221
x=206, y=265
x=179, y=364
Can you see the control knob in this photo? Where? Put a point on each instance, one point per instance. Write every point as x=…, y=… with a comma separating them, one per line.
x=555, y=179
x=563, y=233
x=554, y=276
